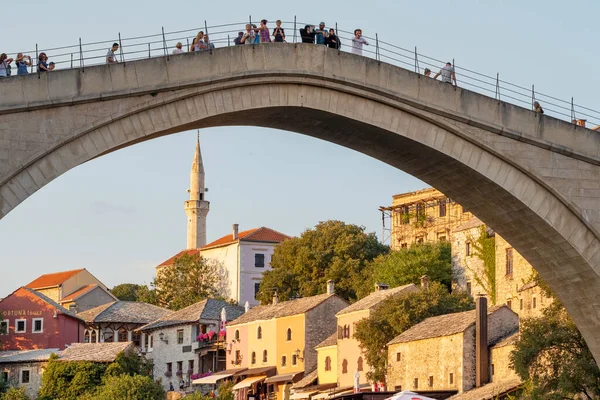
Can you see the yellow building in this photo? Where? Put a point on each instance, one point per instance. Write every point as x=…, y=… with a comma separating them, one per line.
x=423, y=216
x=327, y=356
x=283, y=335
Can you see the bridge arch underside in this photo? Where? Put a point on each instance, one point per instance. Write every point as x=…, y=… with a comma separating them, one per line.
x=463, y=162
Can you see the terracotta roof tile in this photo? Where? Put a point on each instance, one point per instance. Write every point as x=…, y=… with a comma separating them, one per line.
x=171, y=260
x=330, y=341
x=78, y=293
x=95, y=352
x=375, y=298
x=127, y=312
x=48, y=300
x=50, y=280
x=262, y=234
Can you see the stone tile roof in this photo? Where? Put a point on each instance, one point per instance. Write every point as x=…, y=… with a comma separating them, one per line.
x=54, y=279
x=507, y=340
x=490, y=391
x=209, y=309
x=48, y=300
x=73, y=296
x=330, y=341
x=470, y=224
x=308, y=380
x=282, y=309
x=375, y=298
x=443, y=325
x=130, y=312
x=95, y=352
x=21, y=356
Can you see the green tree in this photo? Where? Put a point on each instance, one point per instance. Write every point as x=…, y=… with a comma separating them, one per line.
x=484, y=248
x=552, y=356
x=190, y=279
x=397, y=314
x=127, y=291
x=127, y=387
x=408, y=265
x=332, y=250
x=146, y=295
x=69, y=380
x=15, y=394
x=128, y=363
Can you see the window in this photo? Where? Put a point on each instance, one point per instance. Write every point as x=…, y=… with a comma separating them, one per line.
x=283, y=361
x=398, y=388
x=344, y=367
x=151, y=341
x=108, y=336
x=419, y=210
x=265, y=358
x=179, y=336
x=25, y=376
x=294, y=359
x=404, y=245
x=451, y=378
x=256, y=289
x=253, y=358
x=359, y=364
x=416, y=383
x=533, y=302
x=4, y=376
x=493, y=369
x=441, y=238
x=259, y=333
x=398, y=357
x=419, y=239
x=521, y=304
x=430, y=381
x=327, y=363
x=3, y=327
x=442, y=208
x=238, y=357
x=509, y=304
x=237, y=335
x=469, y=288
x=191, y=365
x=468, y=249
x=509, y=262
x=20, y=325
x=259, y=260
x=86, y=337
x=404, y=216
x=38, y=325
x=289, y=334
x=169, y=367
x=180, y=366
x=344, y=332
x=123, y=335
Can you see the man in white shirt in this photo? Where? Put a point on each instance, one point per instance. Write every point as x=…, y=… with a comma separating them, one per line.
x=178, y=48
x=447, y=73
x=357, y=42
x=110, y=56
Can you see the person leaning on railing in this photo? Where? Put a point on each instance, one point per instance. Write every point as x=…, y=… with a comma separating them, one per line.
x=22, y=63
x=5, y=65
x=308, y=34
x=110, y=56
x=43, y=63
x=333, y=41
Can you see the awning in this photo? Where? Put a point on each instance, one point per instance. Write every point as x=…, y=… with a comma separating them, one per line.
x=248, y=382
x=321, y=395
x=302, y=395
x=268, y=371
x=211, y=379
x=283, y=378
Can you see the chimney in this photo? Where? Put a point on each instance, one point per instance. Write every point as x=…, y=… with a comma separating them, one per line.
x=381, y=286
x=482, y=357
x=236, y=230
x=425, y=282
x=275, y=298
x=581, y=122
x=330, y=287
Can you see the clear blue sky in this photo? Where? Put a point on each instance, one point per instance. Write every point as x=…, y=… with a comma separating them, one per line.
x=122, y=214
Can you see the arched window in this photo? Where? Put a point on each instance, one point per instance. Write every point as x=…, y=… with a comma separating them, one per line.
x=344, y=367
x=253, y=359
x=359, y=364
x=237, y=335
x=123, y=336
x=86, y=338
x=289, y=334
x=94, y=336
x=265, y=356
x=327, y=363
x=259, y=333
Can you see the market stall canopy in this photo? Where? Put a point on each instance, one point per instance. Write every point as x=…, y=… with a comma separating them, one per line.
x=283, y=378
x=406, y=395
x=248, y=382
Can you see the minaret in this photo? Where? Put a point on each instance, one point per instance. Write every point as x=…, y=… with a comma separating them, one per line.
x=196, y=207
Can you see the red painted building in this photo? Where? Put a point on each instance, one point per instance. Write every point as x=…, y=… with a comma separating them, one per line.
x=30, y=320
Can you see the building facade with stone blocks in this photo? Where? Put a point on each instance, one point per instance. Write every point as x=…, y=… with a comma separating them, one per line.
x=24, y=368
x=327, y=355
x=423, y=216
x=189, y=342
x=350, y=358
x=500, y=369
x=438, y=354
x=468, y=270
x=30, y=320
x=118, y=322
x=76, y=290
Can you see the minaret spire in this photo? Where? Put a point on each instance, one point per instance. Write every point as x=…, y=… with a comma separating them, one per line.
x=196, y=207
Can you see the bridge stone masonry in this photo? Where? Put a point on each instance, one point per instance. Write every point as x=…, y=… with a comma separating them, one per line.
x=532, y=178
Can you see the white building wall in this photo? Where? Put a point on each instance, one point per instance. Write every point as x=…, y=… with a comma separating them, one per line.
x=249, y=273
x=228, y=257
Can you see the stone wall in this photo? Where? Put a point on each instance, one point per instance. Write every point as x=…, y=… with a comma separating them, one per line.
x=466, y=267
x=500, y=363
x=35, y=369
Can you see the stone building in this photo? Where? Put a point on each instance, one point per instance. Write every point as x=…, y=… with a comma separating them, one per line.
x=439, y=354
x=242, y=256
x=105, y=352
x=76, y=290
x=423, y=216
x=327, y=356
x=118, y=321
x=190, y=341
x=283, y=335
x=30, y=320
x=349, y=356
x=24, y=368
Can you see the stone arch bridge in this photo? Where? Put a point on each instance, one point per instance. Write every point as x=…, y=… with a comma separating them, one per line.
x=534, y=179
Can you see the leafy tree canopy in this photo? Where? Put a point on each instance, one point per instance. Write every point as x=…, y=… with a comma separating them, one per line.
x=190, y=279
x=331, y=250
x=128, y=387
x=14, y=394
x=397, y=314
x=552, y=356
x=224, y=392
x=127, y=291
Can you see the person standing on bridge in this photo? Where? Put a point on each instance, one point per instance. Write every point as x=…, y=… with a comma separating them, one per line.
x=22, y=63
x=357, y=42
x=279, y=32
x=537, y=108
x=178, y=48
x=110, y=56
x=43, y=62
x=263, y=32
x=321, y=34
x=5, y=65
x=447, y=74
x=248, y=37
x=332, y=41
